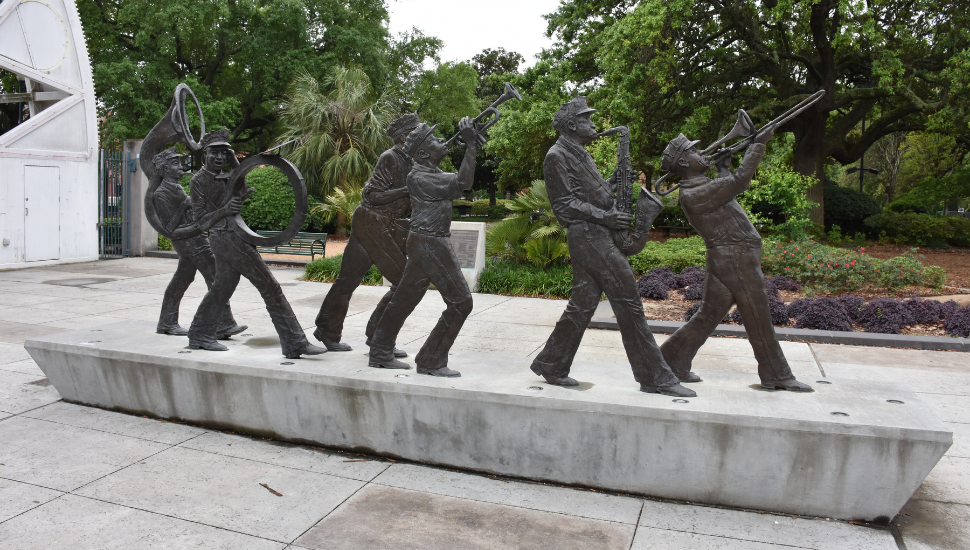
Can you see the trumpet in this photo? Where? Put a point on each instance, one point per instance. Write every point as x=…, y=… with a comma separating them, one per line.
x=744, y=129
x=510, y=93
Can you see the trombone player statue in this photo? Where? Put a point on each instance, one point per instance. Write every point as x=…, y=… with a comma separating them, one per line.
x=596, y=228
x=733, y=256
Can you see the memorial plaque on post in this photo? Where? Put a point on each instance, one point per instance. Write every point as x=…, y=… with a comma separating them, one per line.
x=468, y=240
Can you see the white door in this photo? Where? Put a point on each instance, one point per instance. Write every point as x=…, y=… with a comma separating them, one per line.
x=42, y=213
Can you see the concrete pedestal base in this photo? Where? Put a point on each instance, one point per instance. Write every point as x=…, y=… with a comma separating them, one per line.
x=732, y=445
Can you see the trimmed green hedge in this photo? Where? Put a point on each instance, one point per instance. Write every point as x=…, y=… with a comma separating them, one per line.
x=848, y=209
x=922, y=229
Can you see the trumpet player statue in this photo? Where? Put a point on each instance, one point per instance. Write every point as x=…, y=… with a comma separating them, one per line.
x=733, y=260
x=584, y=204
x=173, y=208
x=234, y=257
x=379, y=232
x=431, y=259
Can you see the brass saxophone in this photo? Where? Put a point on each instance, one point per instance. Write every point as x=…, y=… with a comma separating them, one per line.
x=631, y=241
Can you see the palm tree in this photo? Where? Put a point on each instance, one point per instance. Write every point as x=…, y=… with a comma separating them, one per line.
x=531, y=231
x=338, y=129
x=340, y=204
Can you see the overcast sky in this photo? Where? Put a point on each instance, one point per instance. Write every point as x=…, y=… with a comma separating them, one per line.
x=469, y=26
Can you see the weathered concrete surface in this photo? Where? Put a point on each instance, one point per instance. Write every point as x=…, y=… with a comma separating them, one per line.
x=386, y=517
x=733, y=445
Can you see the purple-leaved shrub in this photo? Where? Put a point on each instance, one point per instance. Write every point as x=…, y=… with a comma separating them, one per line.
x=958, y=323
x=778, y=309
x=926, y=312
x=780, y=282
x=821, y=314
x=795, y=307
x=693, y=275
x=852, y=304
x=692, y=310
x=885, y=315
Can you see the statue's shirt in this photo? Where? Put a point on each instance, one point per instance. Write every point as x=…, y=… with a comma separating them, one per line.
x=577, y=191
x=432, y=192
x=172, y=206
x=209, y=194
x=390, y=173
x=713, y=210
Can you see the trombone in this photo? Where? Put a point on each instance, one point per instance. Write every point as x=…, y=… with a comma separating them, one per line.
x=510, y=93
x=744, y=129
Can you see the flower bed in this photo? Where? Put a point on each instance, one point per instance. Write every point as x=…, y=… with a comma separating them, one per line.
x=849, y=312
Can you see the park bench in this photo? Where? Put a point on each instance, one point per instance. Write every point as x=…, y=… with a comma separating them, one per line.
x=303, y=244
x=666, y=229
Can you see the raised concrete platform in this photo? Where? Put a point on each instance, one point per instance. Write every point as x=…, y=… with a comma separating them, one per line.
x=732, y=445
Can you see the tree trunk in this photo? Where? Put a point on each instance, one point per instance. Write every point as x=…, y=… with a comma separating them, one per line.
x=491, y=194
x=810, y=161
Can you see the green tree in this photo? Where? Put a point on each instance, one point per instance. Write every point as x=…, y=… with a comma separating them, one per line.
x=524, y=134
x=665, y=66
x=237, y=56
x=445, y=94
x=338, y=129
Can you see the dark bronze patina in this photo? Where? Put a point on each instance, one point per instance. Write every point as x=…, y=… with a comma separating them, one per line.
x=584, y=203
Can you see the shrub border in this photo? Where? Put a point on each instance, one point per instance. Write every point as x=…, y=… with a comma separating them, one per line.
x=945, y=343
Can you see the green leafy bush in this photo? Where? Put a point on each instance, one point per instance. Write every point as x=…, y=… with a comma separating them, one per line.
x=164, y=243
x=325, y=270
x=922, y=229
x=677, y=254
x=778, y=201
x=848, y=209
x=827, y=268
x=909, y=203
x=512, y=278
x=271, y=207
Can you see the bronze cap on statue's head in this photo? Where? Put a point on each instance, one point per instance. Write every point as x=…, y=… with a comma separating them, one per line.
x=404, y=125
x=417, y=137
x=573, y=108
x=215, y=138
x=162, y=157
x=675, y=149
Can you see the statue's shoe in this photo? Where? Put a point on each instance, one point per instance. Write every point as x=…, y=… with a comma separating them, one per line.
x=388, y=364
x=555, y=380
x=689, y=377
x=675, y=390
x=308, y=349
x=443, y=371
x=207, y=345
x=331, y=344
x=174, y=330
x=231, y=331
x=400, y=353
x=790, y=385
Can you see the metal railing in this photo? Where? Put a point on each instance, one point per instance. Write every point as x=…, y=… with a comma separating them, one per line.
x=114, y=184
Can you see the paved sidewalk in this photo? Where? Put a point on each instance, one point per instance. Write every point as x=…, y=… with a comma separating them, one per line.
x=78, y=477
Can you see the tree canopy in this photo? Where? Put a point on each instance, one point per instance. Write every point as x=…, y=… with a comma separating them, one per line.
x=237, y=56
x=666, y=66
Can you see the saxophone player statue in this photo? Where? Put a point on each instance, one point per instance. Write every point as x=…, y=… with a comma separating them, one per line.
x=597, y=228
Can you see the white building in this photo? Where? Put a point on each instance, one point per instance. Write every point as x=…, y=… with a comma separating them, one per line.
x=49, y=163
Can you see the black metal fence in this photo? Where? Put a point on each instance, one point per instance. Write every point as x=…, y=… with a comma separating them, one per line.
x=114, y=183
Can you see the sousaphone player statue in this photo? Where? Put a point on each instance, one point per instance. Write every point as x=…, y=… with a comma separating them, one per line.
x=596, y=227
